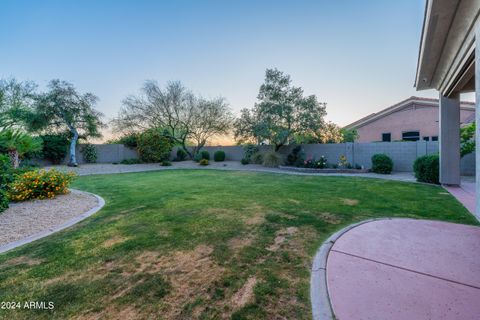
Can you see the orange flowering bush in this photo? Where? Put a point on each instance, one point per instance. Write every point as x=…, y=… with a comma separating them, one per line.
x=40, y=184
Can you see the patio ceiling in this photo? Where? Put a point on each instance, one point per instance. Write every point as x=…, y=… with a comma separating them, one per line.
x=447, y=47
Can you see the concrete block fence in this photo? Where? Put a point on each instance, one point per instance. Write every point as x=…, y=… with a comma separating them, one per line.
x=403, y=154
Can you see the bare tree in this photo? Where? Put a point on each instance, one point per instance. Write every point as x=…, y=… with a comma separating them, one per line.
x=184, y=117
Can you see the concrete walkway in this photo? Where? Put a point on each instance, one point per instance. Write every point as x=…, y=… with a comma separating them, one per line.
x=465, y=193
x=405, y=269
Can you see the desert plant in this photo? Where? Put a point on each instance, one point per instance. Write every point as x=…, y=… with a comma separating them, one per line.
x=257, y=158
x=17, y=143
x=249, y=150
x=89, y=153
x=272, y=159
x=204, y=154
x=154, y=146
x=181, y=155
x=55, y=147
x=426, y=169
x=203, y=162
x=131, y=161
x=381, y=163
x=296, y=157
x=244, y=161
x=39, y=184
x=165, y=163
x=219, y=156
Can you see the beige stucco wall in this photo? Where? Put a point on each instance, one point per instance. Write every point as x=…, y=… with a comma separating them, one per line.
x=413, y=118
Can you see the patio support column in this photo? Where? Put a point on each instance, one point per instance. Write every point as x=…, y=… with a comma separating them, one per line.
x=449, y=139
x=477, y=119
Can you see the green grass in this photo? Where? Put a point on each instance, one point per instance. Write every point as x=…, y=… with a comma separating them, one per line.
x=181, y=244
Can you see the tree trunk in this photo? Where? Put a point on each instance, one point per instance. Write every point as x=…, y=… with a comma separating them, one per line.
x=73, y=143
x=14, y=159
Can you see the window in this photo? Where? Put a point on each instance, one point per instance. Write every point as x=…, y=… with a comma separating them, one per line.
x=411, y=136
x=426, y=138
x=386, y=137
x=434, y=138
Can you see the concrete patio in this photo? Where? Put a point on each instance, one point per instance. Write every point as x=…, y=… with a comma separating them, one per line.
x=404, y=269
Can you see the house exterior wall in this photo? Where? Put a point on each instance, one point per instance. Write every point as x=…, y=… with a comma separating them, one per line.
x=414, y=117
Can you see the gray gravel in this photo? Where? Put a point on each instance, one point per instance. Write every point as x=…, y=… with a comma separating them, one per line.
x=24, y=219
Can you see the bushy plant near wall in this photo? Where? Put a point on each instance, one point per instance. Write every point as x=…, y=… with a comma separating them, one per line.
x=181, y=155
x=248, y=151
x=154, y=146
x=204, y=154
x=426, y=169
x=6, y=177
x=296, y=157
x=55, y=147
x=272, y=159
x=89, y=153
x=381, y=163
x=40, y=184
x=219, y=156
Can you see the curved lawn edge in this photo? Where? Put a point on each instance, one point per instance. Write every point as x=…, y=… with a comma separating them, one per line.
x=319, y=296
x=49, y=231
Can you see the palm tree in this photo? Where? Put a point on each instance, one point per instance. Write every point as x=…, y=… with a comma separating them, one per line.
x=17, y=143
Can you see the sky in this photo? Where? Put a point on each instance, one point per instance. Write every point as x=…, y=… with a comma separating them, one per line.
x=357, y=56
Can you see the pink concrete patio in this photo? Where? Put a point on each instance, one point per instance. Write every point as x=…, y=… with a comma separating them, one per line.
x=465, y=193
x=405, y=269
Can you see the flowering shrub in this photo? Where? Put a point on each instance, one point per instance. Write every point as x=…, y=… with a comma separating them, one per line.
x=316, y=164
x=40, y=184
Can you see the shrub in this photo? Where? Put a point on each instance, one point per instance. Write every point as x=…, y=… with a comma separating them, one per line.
x=316, y=164
x=128, y=140
x=244, y=161
x=272, y=159
x=6, y=177
x=257, y=158
x=153, y=146
x=3, y=200
x=197, y=157
x=166, y=163
x=55, y=147
x=131, y=161
x=219, y=156
x=203, y=162
x=381, y=163
x=40, y=184
x=426, y=169
x=248, y=151
x=296, y=157
x=204, y=154
x=89, y=153
x=181, y=155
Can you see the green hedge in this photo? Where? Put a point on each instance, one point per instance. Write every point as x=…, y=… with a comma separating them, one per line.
x=219, y=156
x=426, y=169
x=381, y=163
x=153, y=146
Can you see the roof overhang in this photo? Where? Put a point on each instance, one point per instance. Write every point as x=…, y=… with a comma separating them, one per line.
x=447, y=46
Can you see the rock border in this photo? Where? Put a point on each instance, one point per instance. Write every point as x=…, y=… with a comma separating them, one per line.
x=49, y=231
x=326, y=170
x=319, y=297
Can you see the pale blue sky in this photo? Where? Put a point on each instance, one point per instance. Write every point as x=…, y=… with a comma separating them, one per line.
x=358, y=56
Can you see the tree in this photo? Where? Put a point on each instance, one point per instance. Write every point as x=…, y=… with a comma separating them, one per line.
x=181, y=115
x=17, y=143
x=349, y=135
x=467, y=139
x=16, y=101
x=63, y=109
x=330, y=133
x=281, y=113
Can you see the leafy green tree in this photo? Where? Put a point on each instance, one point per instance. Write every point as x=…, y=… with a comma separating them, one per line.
x=17, y=143
x=63, y=109
x=349, y=135
x=467, y=139
x=281, y=113
x=16, y=101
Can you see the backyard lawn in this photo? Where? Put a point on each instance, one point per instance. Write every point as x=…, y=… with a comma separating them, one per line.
x=204, y=244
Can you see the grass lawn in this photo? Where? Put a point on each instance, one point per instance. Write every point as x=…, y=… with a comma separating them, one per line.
x=205, y=244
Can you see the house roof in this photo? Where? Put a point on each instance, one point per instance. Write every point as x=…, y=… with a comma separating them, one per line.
x=402, y=105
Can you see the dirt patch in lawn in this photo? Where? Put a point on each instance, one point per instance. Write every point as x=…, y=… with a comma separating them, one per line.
x=350, y=202
x=244, y=295
x=329, y=217
x=113, y=241
x=240, y=242
x=29, y=261
x=256, y=215
x=281, y=236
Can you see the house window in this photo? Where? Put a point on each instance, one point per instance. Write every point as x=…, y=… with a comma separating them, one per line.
x=434, y=138
x=386, y=137
x=426, y=138
x=411, y=136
